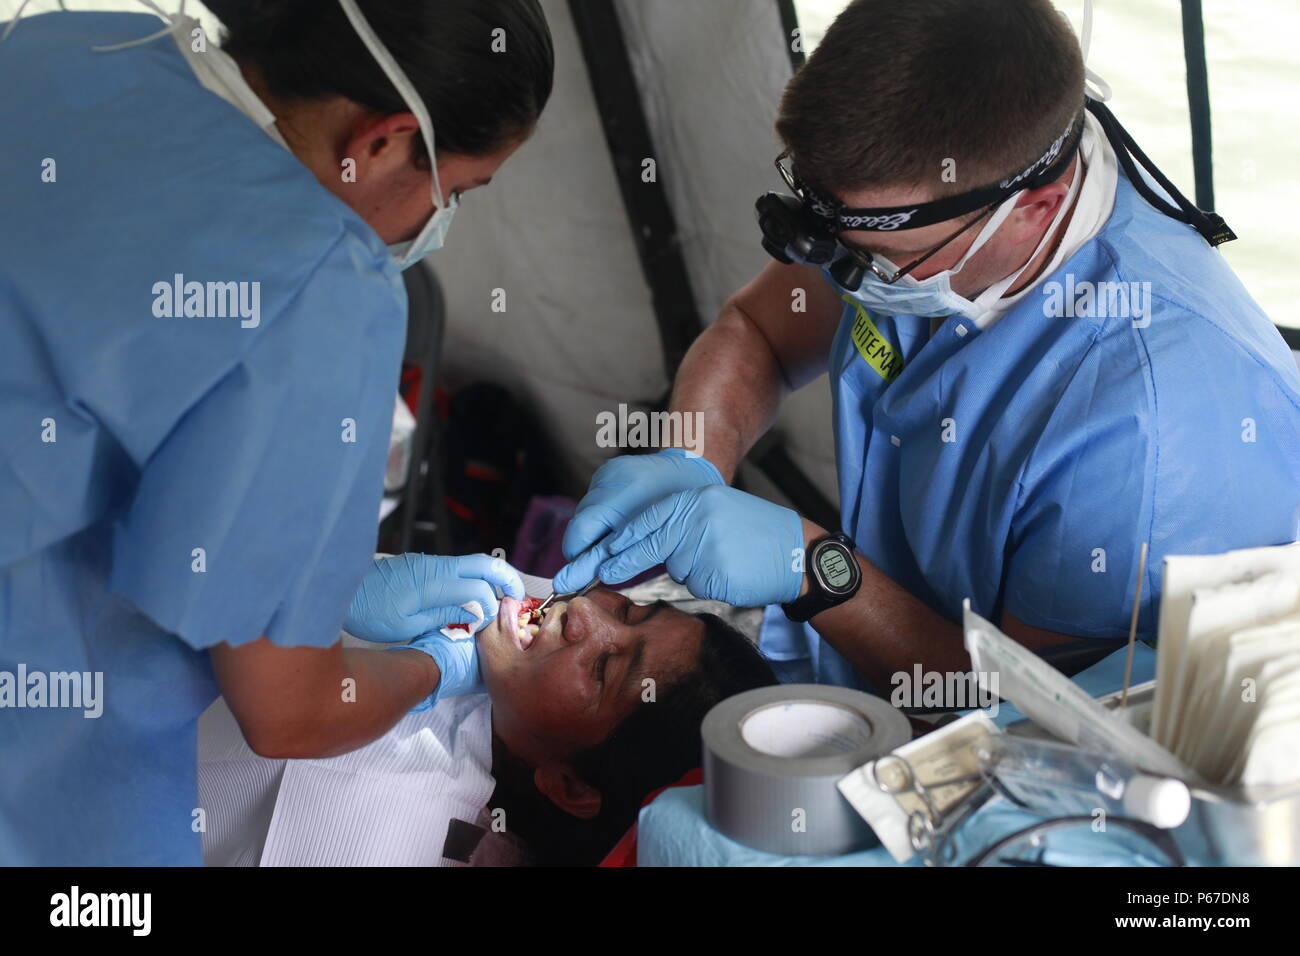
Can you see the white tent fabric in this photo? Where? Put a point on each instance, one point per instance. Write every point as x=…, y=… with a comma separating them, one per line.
x=711, y=109
x=578, y=335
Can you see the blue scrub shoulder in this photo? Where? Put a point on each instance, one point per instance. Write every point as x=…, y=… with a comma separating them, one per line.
x=1138, y=393
x=1163, y=407
x=156, y=241
x=1153, y=319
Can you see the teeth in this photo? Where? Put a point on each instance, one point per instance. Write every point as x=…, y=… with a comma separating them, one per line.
x=530, y=624
x=525, y=631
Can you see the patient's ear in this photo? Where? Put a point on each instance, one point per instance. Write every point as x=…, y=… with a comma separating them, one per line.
x=564, y=788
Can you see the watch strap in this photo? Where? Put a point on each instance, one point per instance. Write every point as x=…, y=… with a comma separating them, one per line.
x=819, y=599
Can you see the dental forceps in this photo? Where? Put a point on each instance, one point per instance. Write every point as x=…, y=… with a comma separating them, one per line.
x=930, y=831
x=564, y=597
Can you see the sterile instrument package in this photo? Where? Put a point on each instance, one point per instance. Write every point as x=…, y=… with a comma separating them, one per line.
x=1057, y=704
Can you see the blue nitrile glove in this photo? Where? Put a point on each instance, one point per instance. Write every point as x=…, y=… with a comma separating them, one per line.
x=721, y=543
x=408, y=595
x=621, y=489
x=458, y=662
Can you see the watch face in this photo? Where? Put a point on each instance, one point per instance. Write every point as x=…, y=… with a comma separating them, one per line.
x=832, y=563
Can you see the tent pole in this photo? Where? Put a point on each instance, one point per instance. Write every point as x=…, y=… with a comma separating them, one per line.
x=654, y=229
x=790, y=23
x=618, y=100
x=1198, y=102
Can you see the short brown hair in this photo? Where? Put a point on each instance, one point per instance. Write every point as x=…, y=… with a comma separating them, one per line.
x=898, y=87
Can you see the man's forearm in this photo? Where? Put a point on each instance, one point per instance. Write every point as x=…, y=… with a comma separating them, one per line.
x=730, y=376
x=884, y=629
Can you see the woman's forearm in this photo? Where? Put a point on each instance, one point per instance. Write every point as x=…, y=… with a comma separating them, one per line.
x=375, y=689
x=319, y=702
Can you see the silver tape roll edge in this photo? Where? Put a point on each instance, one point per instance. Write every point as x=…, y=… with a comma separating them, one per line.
x=773, y=757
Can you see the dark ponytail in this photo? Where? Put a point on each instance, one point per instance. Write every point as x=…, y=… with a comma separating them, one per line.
x=478, y=99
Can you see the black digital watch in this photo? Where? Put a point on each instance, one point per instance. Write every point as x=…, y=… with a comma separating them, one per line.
x=833, y=577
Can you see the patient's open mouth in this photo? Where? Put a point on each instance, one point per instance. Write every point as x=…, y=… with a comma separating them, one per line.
x=530, y=621
x=526, y=620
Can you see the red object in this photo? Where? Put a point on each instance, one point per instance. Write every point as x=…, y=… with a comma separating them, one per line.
x=526, y=608
x=442, y=402
x=624, y=852
x=459, y=509
x=409, y=386
x=482, y=472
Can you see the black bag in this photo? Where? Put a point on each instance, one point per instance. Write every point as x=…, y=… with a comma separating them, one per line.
x=495, y=460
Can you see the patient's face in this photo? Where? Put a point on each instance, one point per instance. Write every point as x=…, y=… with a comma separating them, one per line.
x=583, y=672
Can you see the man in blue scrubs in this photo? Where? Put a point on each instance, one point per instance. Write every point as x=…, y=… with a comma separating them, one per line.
x=1034, y=369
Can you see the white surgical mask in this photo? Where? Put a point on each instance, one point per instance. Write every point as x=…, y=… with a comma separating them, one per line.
x=434, y=233
x=934, y=296
x=430, y=239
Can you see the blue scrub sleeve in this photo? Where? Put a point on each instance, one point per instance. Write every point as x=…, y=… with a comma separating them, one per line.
x=258, y=513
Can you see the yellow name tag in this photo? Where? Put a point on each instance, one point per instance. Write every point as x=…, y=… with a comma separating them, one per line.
x=871, y=345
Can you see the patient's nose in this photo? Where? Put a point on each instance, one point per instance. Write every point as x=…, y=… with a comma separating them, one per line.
x=587, y=620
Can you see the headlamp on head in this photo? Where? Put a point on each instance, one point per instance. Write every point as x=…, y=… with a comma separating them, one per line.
x=792, y=232
x=804, y=228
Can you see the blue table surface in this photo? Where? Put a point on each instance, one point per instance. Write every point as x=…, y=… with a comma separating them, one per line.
x=672, y=830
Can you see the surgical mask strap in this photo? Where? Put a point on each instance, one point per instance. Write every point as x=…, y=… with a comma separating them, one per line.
x=999, y=216
x=1004, y=210
x=175, y=22
x=403, y=85
x=995, y=291
x=14, y=22
x=1100, y=88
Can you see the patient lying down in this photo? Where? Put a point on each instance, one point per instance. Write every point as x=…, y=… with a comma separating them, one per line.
x=587, y=711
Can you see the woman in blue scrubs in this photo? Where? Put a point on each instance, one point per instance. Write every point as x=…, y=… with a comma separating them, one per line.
x=204, y=320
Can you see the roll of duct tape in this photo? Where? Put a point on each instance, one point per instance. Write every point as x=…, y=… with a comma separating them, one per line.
x=772, y=757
